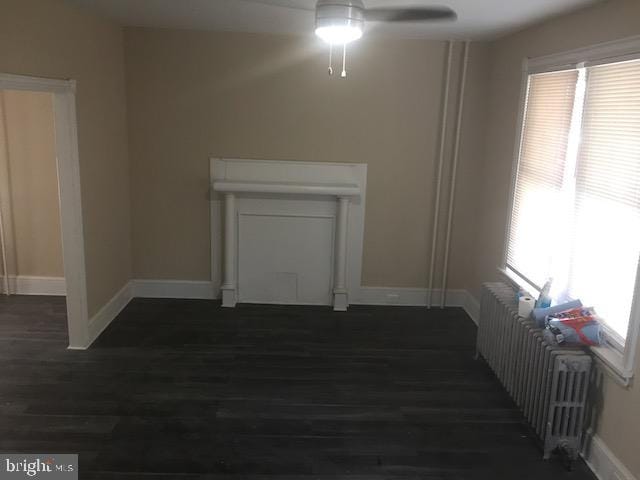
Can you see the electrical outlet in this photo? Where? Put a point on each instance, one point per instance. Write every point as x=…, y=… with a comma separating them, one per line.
x=393, y=298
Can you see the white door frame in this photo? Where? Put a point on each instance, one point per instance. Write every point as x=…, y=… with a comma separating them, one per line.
x=68, y=165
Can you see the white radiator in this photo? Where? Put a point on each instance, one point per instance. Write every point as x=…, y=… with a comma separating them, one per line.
x=547, y=382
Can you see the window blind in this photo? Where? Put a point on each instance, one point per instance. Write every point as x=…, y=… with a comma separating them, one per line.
x=576, y=205
x=607, y=194
x=541, y=173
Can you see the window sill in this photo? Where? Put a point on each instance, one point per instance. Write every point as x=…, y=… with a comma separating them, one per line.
x=517, y=282
x=613, y=363
x=611, y=359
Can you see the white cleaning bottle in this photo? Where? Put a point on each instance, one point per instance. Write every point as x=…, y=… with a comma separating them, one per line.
x=544, y=300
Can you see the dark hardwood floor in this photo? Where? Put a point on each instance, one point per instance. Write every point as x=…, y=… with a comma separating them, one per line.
x=184, y=389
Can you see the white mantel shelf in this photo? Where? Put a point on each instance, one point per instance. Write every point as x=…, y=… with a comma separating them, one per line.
x=288, y=188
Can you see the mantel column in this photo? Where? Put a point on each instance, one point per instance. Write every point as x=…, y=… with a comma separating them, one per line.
x=340, y=299
x=229, y=284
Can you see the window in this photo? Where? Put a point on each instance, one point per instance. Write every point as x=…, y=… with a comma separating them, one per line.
x=576, y=200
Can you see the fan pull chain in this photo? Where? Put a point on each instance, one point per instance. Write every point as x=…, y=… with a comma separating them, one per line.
x=330, y=59
x=344, y=61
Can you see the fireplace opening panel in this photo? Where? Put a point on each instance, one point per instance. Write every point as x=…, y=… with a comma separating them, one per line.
x=287, y=232
x=285, y=258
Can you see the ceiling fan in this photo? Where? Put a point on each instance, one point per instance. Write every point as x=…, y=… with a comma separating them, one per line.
x=339, y=22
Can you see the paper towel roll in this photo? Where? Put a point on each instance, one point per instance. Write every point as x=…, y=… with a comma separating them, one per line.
x=525, y=306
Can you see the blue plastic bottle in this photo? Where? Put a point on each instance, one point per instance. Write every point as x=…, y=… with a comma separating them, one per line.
x=544, y=300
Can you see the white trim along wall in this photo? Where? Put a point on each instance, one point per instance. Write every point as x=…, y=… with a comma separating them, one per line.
x=30, y=285
x=601, y=460
x=401, y=297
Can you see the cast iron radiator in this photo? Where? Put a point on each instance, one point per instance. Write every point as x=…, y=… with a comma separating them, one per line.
x=547, y=382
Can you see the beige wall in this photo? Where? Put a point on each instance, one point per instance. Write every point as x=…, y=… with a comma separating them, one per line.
x=194, y=95
x=34, y=212
x=47, y=38
x=462, y=271
x=618, y=416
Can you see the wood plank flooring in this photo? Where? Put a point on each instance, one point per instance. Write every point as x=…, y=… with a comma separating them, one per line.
x=183, y=389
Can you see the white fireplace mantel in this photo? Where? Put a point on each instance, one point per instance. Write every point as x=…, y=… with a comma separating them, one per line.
x=232, y=180
x=288, y=188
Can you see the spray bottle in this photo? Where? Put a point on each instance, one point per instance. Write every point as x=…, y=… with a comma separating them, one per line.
x=544, y=300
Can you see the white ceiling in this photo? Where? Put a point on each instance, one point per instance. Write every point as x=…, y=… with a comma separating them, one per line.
x=477, y=19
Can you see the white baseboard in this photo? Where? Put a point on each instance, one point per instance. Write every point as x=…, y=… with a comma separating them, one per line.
x=408, y=297
x=416, y=297
x=366, y=296
x=189, y=289
x=472, y=307
x=604, y=464
x=173, y=289
x=186, y=289
x=31, y=285
x=108, y=313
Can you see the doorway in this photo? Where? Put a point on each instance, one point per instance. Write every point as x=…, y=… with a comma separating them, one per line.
x=30, y=237
x=59, y=97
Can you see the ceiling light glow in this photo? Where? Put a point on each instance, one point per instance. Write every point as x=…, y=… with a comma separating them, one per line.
x=339, y=34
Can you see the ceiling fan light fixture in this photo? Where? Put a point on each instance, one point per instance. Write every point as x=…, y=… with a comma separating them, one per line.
x=339, y=34
x=339, y=22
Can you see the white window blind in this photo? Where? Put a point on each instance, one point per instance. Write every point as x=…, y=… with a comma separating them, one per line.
x=607, y=241
x=541, y=170
x=576, y=206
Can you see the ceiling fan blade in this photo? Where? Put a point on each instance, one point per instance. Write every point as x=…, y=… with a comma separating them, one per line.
x=409, y=14
x=295, y=4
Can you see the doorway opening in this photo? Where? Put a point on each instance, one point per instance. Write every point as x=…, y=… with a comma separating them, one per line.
x=41, y=234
